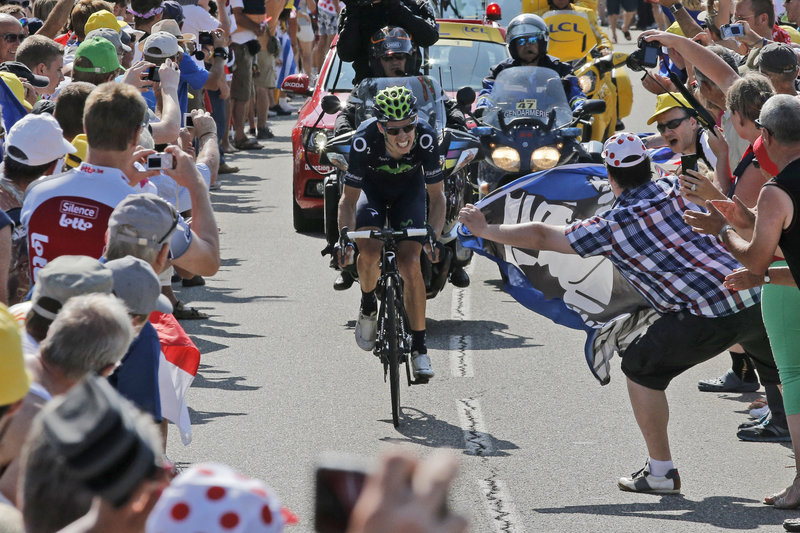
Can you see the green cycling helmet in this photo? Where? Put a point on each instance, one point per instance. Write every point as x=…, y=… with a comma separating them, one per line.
x=394, y=103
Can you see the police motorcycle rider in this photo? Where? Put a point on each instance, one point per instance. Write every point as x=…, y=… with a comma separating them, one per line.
x=393, y=161
x=393, y=54
x=526, y=38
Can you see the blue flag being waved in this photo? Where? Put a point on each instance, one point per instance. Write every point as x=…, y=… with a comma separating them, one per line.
x=587, y=294
x=13, y=110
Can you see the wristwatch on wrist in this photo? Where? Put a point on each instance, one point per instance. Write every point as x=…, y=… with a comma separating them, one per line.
x=220, y=52
x=724, y=230
x=677, y=6
x=767, y=279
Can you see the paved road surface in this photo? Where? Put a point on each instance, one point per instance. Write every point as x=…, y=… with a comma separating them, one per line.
x=541, y=442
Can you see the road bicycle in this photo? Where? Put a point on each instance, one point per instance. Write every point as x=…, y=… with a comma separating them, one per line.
x=393, y=340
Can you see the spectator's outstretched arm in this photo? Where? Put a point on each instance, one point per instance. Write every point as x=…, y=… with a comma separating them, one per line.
x=168, y=129
x=57, y=19
x=709, y=63
x=688, y=25
x=202, y=257
x=216, y=76
x=422, y=27
x=205, y=129
x=224, y=22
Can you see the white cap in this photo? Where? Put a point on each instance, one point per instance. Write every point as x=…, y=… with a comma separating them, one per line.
x=37, y=140
x=624, y=149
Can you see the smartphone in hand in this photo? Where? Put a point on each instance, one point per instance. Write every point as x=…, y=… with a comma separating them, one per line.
x=339, y=481
x=689, y=162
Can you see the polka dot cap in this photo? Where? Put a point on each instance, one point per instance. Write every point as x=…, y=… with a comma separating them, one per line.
x=624, y=150
x=213, y=498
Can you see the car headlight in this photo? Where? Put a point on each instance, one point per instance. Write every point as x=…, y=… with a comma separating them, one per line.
x=587, y=82
x=310, y=138
x=506, y=158
x=545, y=157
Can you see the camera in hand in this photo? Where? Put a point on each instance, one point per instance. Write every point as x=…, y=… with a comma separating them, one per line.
x=645, y=57
x=205, y=37
x=152, y=74
x=159, y=161
x=187, y=120
x=729, y=31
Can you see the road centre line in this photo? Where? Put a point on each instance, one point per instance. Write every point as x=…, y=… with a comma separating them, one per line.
x=461, y=356
x=476, y=440
x=500, y=505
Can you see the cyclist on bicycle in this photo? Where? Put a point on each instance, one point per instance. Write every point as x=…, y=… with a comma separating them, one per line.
x=393, y=160
x=526, y=38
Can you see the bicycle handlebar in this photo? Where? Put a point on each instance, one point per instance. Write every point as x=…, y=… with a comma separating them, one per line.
x=385, y=233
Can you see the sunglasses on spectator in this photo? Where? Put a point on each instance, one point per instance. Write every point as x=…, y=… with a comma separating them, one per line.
x=530, y=39
x=408, y=128
x=671, y=125
x=172, y=227
x=12, y=38
x=760, y=126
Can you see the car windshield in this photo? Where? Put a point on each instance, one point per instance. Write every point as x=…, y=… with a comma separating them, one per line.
x=521, y=93
x=430, y=100
x=462, y=62
x=341, y=81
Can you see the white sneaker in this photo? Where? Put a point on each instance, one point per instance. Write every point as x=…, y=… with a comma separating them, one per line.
x=366, y=329
x=643, y=481
x=758, y=413
x=421, y=366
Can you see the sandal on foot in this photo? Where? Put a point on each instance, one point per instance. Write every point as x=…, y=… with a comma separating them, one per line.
x=247, y=144
x=627, y=34
x=181, y=312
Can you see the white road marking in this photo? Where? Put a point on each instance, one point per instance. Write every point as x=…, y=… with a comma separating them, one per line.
x=461, y=345
x=501, y=508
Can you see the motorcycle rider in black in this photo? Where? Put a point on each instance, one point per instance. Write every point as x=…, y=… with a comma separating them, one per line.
x=526, y=38
x=360, y=19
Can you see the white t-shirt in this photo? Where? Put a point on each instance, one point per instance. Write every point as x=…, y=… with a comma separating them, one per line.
x=197, y=19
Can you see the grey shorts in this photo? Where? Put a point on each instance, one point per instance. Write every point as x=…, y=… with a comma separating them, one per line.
x=326, y=23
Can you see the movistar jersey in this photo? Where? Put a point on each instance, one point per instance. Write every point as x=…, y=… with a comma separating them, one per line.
x=369, y=161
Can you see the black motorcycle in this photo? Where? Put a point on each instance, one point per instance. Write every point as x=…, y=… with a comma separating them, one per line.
x=527, y=125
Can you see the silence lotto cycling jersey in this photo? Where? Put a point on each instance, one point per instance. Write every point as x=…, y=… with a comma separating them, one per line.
x=369, y=163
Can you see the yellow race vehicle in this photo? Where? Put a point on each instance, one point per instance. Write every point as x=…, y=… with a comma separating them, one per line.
x=573, y=40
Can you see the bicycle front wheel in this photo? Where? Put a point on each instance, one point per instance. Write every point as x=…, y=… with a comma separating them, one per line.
x=394, y=346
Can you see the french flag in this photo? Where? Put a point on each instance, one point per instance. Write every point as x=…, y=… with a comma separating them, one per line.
x=180, y=360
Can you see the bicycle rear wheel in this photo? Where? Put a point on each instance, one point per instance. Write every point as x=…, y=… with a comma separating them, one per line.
x=394, y=346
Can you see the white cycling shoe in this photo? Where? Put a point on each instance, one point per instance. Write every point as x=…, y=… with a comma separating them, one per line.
x=366, y=329
x=421, y=366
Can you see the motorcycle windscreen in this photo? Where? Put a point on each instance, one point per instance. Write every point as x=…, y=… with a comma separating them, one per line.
x=525, y=93
x=430, y=98
x=571, y=35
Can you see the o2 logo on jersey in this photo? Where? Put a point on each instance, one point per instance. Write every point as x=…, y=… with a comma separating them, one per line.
x=425, y=141
x=74, y=215
x=359, y=144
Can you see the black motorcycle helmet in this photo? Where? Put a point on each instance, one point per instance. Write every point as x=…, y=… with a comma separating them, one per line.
x=388, y=41
x=526, y=25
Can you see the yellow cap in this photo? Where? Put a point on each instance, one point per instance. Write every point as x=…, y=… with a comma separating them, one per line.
x=666, y=102
x=82, y=145
x=14, y=379
x=16, y=87
x=676, y=29
x=102, y=19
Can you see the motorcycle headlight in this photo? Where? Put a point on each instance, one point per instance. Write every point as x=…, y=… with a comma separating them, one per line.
x=587, y=82
x=320, y=141
x=545, y=157
x=506, y=158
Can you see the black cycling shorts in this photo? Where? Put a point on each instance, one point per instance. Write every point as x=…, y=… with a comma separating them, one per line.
x=406, y=207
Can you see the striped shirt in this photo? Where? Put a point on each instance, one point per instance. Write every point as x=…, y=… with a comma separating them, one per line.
x=674, y=268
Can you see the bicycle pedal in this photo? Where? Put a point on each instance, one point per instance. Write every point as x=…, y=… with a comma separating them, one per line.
x=420, y=381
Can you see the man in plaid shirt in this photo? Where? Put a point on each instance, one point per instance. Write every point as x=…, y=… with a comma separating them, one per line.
x=678, y=271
